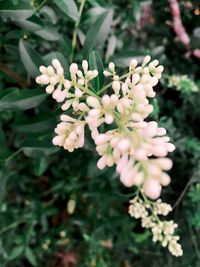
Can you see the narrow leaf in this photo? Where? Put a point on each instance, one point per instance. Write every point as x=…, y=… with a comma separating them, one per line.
x=15, y=11
x=22, y=99
x=30, y=256
x=30, y=58
x=95, y=62
x=69, y=8
x=98, y=32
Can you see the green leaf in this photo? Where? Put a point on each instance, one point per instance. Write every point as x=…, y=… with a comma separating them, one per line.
x=15, y=11
x=22, y=99
x=95, y=62
x=48, y=33
x=30, y=256
x=30, y=58
x=124, y=58
x=35, y=125
x=40, y=165
x=69, y=8
x=31, y=24
x=2, y=139
x=49, y=57
x=98, y=32
x=16, y=252
x=37, y=147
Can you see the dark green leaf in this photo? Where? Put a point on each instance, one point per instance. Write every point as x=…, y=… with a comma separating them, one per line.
x=36, y=125
x=48, y=33
x=31, y=24
x=30, y=256
x=22, y=99
x=37, y=147
x=95, y=62
x=98, y=32
x=48, y=59
x=124, y=58
x=20, y=10
x=16, y=252
x=30, y=58
x=40, y=165
x=69, y=8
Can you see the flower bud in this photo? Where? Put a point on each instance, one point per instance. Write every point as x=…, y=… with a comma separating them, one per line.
x=73, y=69
x=92, y=101
x=111, y=67
x=108, y=119
x=152, y=188
x=56, y=63
x=146, y=60
x=85, y=66
x=133, y=64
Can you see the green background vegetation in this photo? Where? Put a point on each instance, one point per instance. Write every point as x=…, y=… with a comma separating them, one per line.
x=38, y=181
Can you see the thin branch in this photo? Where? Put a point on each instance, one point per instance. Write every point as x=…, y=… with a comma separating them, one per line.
x=13, y=75
x=180, y=29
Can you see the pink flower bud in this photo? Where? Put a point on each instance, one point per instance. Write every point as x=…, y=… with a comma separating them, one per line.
x=101, y=139
x=85, y=66
x=73, y=69
x=133, y=64
x=164, y=163
x=111, y=66
x=49, y=89
x=108, y=119
x=106, y=100
x=43, y=69
x=56, y=63
x=146, y=60
x=152, y=188
x=124, y=145
x=165, y=179
x=93, y=102
x=140, y=155
x=101, y=164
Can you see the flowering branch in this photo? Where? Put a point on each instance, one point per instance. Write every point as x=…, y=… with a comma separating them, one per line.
x=138, y=148
x=179, y=28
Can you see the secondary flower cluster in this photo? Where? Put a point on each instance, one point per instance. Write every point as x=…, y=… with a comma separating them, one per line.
x=137, y=147
x=162, y=231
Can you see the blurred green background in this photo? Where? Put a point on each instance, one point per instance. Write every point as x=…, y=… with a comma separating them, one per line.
x=56, y=208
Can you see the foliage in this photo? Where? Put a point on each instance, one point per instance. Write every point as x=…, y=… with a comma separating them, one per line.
x=56, y=208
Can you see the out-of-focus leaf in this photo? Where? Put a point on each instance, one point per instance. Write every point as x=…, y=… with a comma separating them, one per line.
x=40, y=165
x=30, y=58
x=48, y=33
x=31, y=24
x=36, y=125
x=30, y=256
x=16, y=252
x=22, y=99
x=49, y=13
x=69, y=8
x=49, y=57
x=124, y=59
x=2, y=139
x=15, y=11
x=37, y=147
x=95, y=62
x=112, y=43
x=98, y=32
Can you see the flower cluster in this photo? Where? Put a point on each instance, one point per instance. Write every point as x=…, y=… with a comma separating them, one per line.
x=137, y=147
x=162, y=231
x=182, y=83
x=132, y=143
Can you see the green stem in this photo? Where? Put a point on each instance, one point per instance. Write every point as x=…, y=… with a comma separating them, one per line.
x=110, y=84
x=11, y=226
x=14, y=154
x=74, y=38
